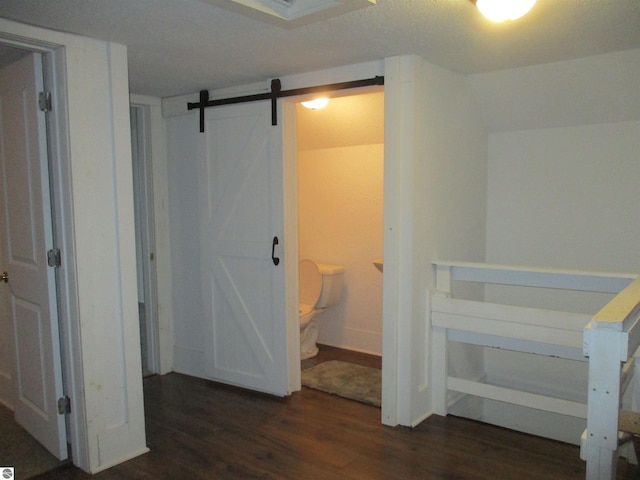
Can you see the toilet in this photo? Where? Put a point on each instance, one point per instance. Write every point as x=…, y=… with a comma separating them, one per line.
x=319, y=287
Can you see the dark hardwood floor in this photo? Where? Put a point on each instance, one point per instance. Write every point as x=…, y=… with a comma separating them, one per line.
x=198, y=429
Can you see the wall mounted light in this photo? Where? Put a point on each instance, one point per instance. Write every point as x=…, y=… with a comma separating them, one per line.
x=501, y=10
x=316, y=104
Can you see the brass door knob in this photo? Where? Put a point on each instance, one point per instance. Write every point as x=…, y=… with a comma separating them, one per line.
x=4, y=277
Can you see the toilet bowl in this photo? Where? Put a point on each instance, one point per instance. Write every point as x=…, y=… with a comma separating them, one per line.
x=319, y=287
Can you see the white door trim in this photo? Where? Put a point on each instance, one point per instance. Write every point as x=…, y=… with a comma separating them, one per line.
x=398, y=281
x=62, y=203
x=158, y=176
x=143, y=186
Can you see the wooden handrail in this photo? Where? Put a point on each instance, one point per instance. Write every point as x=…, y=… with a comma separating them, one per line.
x=623, y=308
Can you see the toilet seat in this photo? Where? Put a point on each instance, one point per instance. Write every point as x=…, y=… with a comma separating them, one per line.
x=306, y=313
x=304, y=309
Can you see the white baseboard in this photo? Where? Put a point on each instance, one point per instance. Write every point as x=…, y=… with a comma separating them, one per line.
x=363, y=341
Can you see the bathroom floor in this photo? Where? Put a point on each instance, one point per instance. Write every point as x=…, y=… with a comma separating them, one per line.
x=333, y=353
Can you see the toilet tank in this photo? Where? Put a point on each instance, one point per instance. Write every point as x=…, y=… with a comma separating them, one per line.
x=332, y=278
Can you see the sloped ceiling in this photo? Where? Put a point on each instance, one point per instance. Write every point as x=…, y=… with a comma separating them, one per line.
x=183, y=46
x=344, y=122
x=586, y=91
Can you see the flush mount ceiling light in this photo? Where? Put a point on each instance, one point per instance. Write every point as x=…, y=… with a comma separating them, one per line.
x=292, y=13
x=501, y=10
x=315, y=104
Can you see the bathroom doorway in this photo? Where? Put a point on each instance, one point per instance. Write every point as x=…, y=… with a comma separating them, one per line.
x=340, y=177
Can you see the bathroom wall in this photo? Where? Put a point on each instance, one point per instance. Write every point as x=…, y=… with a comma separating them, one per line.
x=340, y=211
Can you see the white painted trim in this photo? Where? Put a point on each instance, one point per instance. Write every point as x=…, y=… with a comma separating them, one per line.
x=290, y=171
x=144, y=231
x=392, y=156
x=123, y=431
x=525, y=399
x=527, y=276
x=359, y=340
x=398, y=324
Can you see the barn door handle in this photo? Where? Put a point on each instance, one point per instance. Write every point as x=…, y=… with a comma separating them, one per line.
x=275, y=259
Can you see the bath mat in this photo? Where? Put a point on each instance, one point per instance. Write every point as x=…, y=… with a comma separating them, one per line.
x=347, y=380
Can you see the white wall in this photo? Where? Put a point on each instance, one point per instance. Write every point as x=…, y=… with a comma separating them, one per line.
x=92, y=181
x=340, y=222
x=564, y=196
x=188, y=310
x=441, y=148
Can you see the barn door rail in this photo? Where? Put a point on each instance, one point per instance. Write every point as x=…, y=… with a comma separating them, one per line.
x=275, y=93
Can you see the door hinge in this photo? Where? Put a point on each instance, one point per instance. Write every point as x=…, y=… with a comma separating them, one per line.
x=44, y=101
x=54, y=259
x=64, y=405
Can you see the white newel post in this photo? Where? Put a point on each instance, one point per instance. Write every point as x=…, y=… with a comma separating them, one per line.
x=610, y=339
x=604, y=349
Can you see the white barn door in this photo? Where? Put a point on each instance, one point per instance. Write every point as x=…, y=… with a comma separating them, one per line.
x=243, y=273
x=27, y=234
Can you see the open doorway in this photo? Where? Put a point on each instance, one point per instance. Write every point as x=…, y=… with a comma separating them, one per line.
x=145, y=239
x=340, y=179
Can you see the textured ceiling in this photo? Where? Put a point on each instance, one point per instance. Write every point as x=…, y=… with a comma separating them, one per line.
x=182, y=46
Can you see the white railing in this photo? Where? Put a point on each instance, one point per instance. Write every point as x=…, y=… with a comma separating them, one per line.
x=543, y=332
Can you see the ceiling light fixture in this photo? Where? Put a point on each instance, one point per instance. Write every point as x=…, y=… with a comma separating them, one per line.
x=501, y=10
x=316, y=104
x=292, y=13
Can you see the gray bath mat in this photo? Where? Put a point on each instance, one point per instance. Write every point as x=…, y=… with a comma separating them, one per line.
x=347, y=380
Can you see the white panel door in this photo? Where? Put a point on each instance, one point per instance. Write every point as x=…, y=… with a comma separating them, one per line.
x=26, y=229
x=241, y=197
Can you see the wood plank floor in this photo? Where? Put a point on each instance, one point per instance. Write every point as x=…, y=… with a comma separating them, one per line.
x=198, y=429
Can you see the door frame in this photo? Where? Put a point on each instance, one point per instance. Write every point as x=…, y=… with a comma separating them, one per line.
x=143, y=186
x=53, y=61
x=397, y=319
x=157, y=176
x=290, y=171
x=402, y=75
x=43, y=421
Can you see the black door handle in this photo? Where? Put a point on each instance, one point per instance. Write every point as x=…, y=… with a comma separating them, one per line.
x=275, y=259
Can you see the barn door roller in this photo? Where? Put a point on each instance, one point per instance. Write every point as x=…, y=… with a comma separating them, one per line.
x=275, y=93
